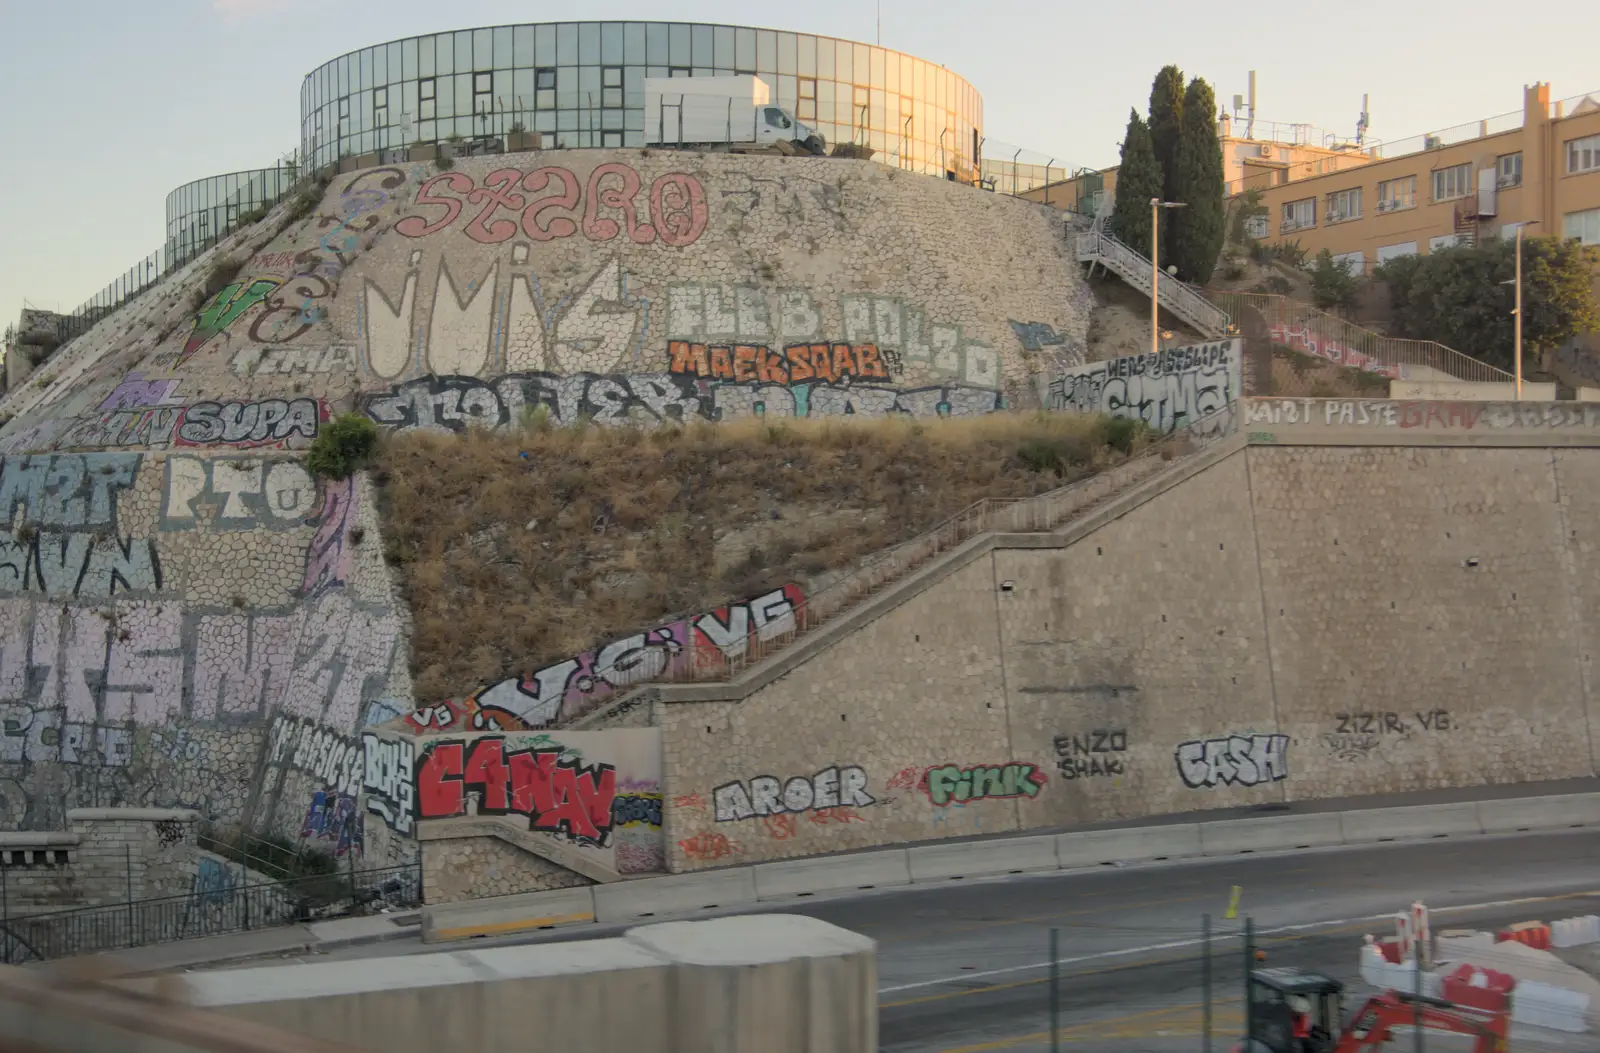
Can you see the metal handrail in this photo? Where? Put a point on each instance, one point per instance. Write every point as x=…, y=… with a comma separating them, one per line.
x=1354, y=345
x=1133, y=268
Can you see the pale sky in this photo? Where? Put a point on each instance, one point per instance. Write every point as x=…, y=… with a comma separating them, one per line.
x=110, y=105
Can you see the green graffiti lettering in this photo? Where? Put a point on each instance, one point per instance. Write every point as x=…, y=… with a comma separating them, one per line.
x=949, y=783
x=223, y=309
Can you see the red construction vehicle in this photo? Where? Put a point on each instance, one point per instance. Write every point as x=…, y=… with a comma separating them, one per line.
x=1294, y=1011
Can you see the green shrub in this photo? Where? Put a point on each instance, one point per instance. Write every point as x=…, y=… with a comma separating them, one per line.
x=343, y=447
x=1053, y=453
x=1119, y=433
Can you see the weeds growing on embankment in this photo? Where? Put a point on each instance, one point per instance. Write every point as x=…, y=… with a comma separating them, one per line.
x=521, y=547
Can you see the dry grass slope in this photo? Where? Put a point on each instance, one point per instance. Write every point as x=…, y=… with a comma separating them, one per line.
x=521, y=548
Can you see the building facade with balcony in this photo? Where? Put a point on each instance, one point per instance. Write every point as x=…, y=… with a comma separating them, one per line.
x=581, y=84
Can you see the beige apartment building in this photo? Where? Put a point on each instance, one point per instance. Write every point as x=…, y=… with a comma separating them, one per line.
x=1542, y=173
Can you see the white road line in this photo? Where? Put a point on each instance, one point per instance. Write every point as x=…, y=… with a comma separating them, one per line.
x=1219, y=937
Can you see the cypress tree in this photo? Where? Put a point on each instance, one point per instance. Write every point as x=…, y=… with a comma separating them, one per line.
x=1166, y=128
x=1138, y=180
x=1197, y=231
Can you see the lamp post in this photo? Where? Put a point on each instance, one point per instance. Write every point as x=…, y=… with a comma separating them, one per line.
x=1156, y=205
x=1517, y=310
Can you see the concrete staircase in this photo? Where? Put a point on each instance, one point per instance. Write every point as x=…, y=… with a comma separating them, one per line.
x=1097, y=246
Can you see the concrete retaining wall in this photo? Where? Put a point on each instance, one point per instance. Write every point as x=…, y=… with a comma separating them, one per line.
x=770, y=983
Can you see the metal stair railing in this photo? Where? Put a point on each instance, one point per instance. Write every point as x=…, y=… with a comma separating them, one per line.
x=1096, y=246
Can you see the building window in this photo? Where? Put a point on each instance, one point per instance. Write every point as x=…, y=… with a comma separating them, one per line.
x=1395, y=194
x=611, y=86
x=544, y=89
x=1585, y=226
x=1444, y=241
x=1344, y=205
x=610, y=138
x=807, y=110
x=1508, y=171
x=425, y=99
x=1390, y=252
x=1453, y=182
x=1583, y=155
x=1298, y=215
x=679, y=71
x=483, y=93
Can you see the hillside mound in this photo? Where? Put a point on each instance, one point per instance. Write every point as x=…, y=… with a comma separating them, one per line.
x=519, y=549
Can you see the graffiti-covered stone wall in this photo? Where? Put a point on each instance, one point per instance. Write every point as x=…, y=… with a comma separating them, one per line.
x=1289, y=622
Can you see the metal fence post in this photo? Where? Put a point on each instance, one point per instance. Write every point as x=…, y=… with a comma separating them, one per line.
x=1249, y=963
x=1055, y=991
x=127, y=860
x=1205, y=983
x=5, y=911
x=1416, y=991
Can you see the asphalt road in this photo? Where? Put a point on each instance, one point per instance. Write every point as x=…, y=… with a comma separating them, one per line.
x=963, y=967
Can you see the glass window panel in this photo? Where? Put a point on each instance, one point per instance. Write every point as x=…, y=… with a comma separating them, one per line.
x=633, y=137
x=723, y=73
x=544, y=121
x=806, y=45
x=701, y=71
x=655, y=36
x=408, y=92
x=611, y=119
x=425, y=53
x=879, y=120
x=482, y=48
x=463, y=93
x=825, y=51
x=588, y=43
x=891, y=80
x=766, y=51
x=463, y=51
x=633, y=49
x=567, y=44
x=444, y=95
x=744, y=49
x=566, y=87
x=702, y=51
x=771, y=81
x=522, y=88
x=843, y=67
x=722, y=46
x=364, y=70
x=680, y=54
x=380, y=65
x=589, y=84
x=611, y=43
x=544, y=46
x=658, y=71
x=522, y=46
x=444, y=54
x=500, y=53
x=863, y=64
x=567, y=120
x=787, y=53
x=503, y=99
x=841, y=110
x=877, y=67
x=788, y=94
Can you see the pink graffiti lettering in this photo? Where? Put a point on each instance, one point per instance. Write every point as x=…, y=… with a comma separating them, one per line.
x=1441, y=414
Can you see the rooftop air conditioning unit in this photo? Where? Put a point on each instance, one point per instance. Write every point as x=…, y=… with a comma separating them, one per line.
x=1431, y=142
x=1266, y=151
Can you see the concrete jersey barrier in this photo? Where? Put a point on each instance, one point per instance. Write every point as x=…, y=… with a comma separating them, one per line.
x=1029, y=853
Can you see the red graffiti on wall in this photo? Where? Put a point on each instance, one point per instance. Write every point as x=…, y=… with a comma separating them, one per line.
x=708, y=848
x=1307, y=339
x=795, y=364
x=558, y=794
x=678, y=212
x=1443, y=414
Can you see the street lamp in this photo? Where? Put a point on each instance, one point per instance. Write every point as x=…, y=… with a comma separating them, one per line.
x=1517, y=310
x=1156, y=205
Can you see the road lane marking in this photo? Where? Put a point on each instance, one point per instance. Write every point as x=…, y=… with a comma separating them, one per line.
x=1124, y=952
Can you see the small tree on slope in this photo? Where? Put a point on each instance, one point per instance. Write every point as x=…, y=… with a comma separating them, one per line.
x=1166, y=128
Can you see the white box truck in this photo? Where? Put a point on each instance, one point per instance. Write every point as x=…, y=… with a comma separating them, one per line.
x=720, y=113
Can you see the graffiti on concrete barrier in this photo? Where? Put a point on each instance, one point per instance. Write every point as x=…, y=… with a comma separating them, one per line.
x=1390, y=723
x=795, y=364
x=255, y=360
x=1307, y=339
x=1351, y=747
x=247, y=492
x=44, y=736
x=677, y=214
x=949, y=783
x=636, y=809
x=1426, y=415
x=562, y=690
x=768, y=795
x=709, y=848
x=1238, y=760
x=333, y=816
x=785, y=826
x=443, y=403
x=1167, y=389
x=1092, y=754
x=332, y=759
x=1041, y=336
x=559, y=793
x=266, y=422
x=332, y=548
x=387, y=782
x=213, y=881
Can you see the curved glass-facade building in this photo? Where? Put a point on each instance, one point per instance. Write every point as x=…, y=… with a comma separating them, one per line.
x=582, y=84
x=201, y=211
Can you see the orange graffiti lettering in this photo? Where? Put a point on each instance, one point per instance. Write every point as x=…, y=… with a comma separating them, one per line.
x=823, y=816
x=707, y=848
x=780, y=827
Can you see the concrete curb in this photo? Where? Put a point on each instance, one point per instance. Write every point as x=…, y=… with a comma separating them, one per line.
x=784, y=880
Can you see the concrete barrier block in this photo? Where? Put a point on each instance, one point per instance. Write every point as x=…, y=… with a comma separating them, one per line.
x=967, y=859
x=506, y=915
x=1270, y=833
x=674, y=894
x=803, y=877
x=1411, y=823
x=1135, y=844
x=1539, y=813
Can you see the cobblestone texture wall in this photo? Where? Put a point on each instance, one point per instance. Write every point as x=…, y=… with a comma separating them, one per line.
x=478, y=867
x=1289, y=623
